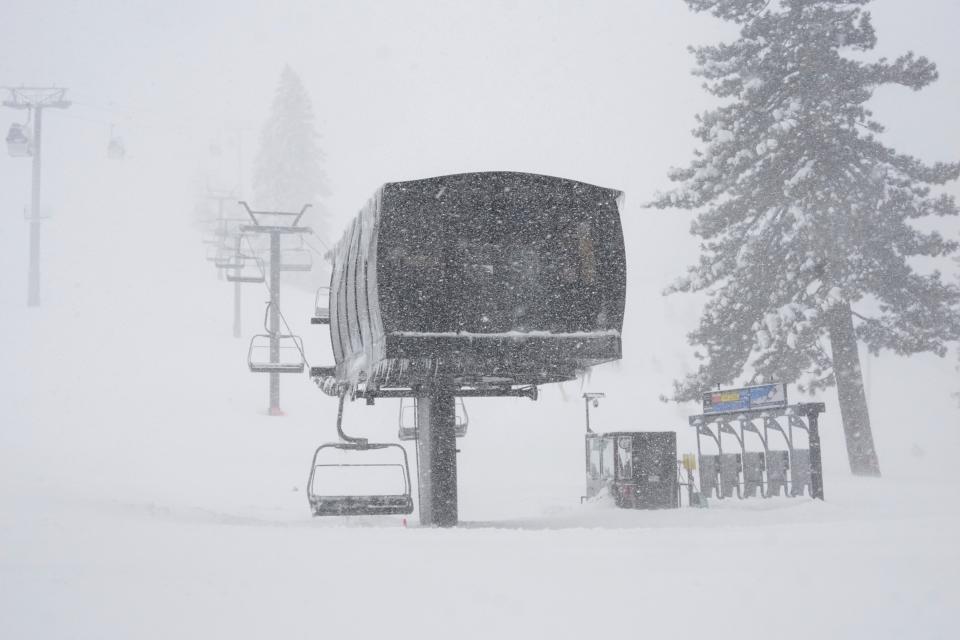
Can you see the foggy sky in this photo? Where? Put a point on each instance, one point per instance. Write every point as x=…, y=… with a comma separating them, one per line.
x=595, y=91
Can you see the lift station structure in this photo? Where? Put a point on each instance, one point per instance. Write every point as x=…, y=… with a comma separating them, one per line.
x=471, y=285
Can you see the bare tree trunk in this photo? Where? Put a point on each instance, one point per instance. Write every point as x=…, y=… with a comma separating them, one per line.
x=853, y=400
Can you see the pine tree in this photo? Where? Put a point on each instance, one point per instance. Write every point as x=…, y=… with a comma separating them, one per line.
x=289, y=165
x=957, y=394
x=804, y=214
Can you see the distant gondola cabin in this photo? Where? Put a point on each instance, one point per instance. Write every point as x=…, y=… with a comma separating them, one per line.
x=478, y=279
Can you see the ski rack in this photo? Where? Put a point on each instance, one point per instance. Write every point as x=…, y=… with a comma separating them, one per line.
x=747, y=472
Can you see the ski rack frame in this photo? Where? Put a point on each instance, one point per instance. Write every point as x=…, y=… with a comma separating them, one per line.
x=809, y=410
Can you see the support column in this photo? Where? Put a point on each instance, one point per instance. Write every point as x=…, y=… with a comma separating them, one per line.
x=236, y=290
x=275, y=322
x=437, y=450
x=33, y=284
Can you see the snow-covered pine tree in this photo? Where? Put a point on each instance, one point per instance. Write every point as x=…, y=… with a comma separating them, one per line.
x=957, y=394
x=804, y=215
x=289, y=165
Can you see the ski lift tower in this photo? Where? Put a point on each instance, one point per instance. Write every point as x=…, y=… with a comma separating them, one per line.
x=226, y=223
x=275, y=366
x=35, y=100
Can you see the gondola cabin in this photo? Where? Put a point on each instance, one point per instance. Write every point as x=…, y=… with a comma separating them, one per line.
x=638, y=468
x=478, y=280
x=19, y=143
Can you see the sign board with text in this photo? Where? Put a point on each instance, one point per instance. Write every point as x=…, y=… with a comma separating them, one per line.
x=764, y=396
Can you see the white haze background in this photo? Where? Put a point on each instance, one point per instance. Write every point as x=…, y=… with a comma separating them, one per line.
x=144, y=494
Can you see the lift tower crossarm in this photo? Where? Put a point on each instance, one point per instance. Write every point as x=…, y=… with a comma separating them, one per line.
x=295, y=215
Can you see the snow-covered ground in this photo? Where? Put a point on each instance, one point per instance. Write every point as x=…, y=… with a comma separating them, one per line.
x=144, y=492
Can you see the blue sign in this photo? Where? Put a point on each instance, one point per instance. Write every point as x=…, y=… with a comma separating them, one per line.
x=763, y=396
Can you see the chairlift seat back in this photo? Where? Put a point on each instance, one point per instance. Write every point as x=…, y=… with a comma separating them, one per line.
x=330, y=500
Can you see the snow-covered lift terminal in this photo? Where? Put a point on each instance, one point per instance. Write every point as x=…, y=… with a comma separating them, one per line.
x=480, y=285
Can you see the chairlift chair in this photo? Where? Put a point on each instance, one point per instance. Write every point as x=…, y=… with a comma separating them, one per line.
x=407, y=429
x=214, y=251
x=321, y=303
x=326, y=500
x=295, y=259
x=18, y=141
x=226, y=258
x=247, y=269
x=289, y=357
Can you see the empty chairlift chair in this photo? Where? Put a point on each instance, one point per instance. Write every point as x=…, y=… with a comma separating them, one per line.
x=357, y=477
x=247, y=268
x=275, y=352
x=296, y=259
x=226, y=258
x=345, y=480
x=408, y=419
x=18, y=141
x=289, y=354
